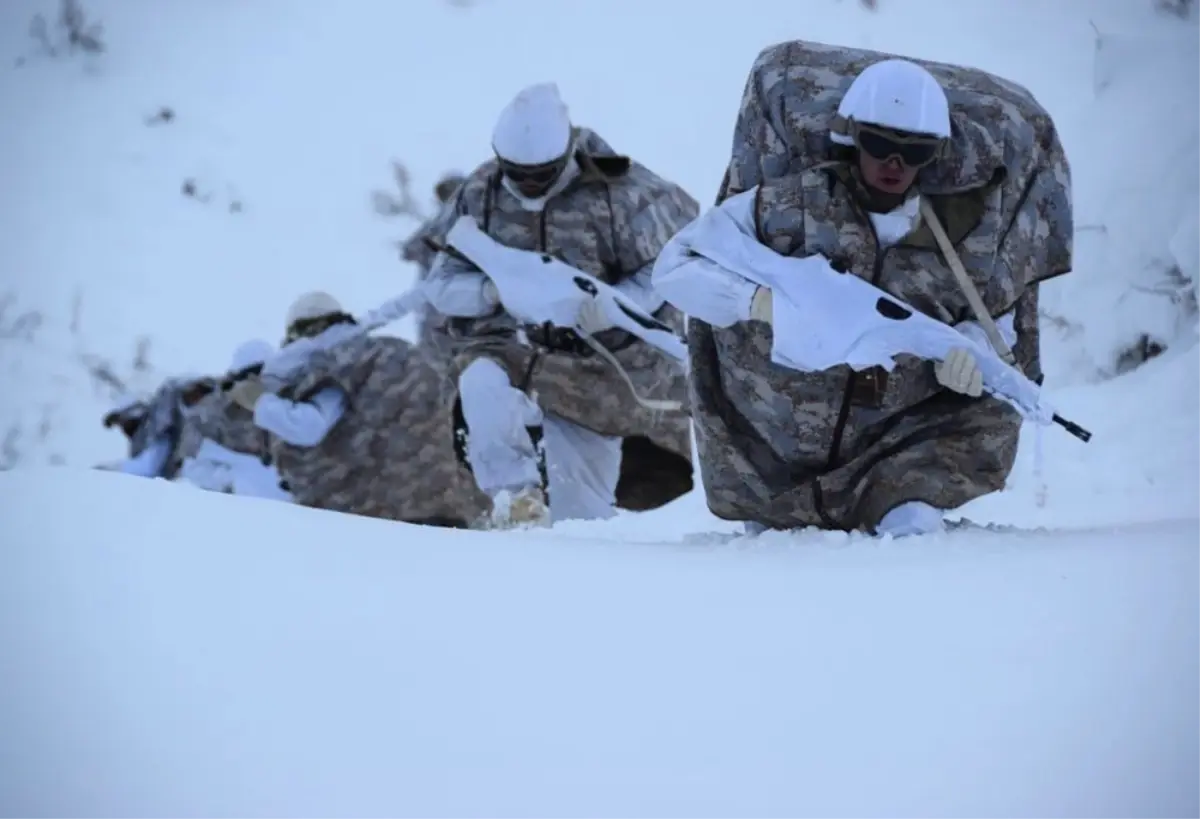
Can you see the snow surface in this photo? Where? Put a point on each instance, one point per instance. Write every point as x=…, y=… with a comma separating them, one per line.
x=179, y=653
x=170, y=652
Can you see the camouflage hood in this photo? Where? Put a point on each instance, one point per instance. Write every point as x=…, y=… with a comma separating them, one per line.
x=973, y=159
x=597, y=159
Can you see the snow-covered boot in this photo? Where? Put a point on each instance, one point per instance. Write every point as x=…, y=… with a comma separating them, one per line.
x=524, y=507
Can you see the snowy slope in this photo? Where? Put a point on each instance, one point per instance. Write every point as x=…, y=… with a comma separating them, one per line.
x=186, y=654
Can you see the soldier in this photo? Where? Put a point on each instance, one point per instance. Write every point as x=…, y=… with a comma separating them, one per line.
x=220, y=447
x=421, y=248
x=835, y=152
x=154, y=427
x=561, y=190
x=363, y=424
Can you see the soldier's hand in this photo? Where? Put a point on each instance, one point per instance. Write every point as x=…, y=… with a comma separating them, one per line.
x=762, y=305
x=246, y=392
x=592, y=318
x=490, y=293
x=959, y=372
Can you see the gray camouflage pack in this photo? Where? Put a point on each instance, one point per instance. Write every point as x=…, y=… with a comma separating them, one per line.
x=392, y=454
x=835, y=449
x=611, y=222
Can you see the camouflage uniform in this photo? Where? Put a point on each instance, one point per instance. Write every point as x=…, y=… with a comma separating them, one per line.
x=612, y=221
x=218, y=418
x=836, y=449
x=391, y=455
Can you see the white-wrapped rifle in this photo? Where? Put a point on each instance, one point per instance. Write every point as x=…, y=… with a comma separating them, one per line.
x=282, y=366
x=834, y=318
x=536, y=288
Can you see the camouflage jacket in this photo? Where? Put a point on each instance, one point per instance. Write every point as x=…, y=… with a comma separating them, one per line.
x=391, y=455
x=218, y=418
x=612, y=222
x=839, y=450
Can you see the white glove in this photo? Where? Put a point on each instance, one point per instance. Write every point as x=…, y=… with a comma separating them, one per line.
x=762, y=305
x=593, y=318
x=959, y=372
x=490, y=294
x=246, y=392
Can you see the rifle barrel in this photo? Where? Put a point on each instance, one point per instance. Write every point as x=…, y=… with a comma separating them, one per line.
x=1073, y=428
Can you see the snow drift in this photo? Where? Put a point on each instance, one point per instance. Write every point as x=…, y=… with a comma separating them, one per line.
x=179, y=653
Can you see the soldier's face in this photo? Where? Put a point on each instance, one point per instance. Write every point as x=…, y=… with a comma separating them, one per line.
x=533, y=181
x=890, y=160
x=887, y=175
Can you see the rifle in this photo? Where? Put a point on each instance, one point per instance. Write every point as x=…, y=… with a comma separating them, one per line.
x=537, y=288
x=835, y=318
x=285, y=363
x=226, y=383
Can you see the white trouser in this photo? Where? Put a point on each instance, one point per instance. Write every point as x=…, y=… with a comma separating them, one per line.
x=219, y=469
x=262, y=482
x=911, y=518
x=582, y=467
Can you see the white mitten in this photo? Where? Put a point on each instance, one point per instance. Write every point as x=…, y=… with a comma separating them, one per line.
x=246, y=392
x=762, y=305
x=959, y=372
x=490, y=294
x=593, y=318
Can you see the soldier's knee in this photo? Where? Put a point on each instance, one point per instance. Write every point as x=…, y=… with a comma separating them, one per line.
x=482, y=379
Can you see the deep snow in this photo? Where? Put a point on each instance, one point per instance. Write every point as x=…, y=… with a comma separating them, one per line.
x=180, y=653
x=295, y=109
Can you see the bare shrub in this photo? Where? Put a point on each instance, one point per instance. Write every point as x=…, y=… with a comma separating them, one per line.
x=71, y=33
x=17, y=324
x=107, y=379
x=400, y=203
x=1178, y=8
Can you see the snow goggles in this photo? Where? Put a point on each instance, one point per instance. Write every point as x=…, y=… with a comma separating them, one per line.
x=312, y=327
x=914, y=150
x=534, y=176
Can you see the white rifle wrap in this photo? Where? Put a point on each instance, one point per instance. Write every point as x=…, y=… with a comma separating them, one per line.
x=537, y=288
x=824, y=318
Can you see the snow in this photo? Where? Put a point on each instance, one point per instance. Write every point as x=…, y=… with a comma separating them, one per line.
x=184, y=653
x=173, y=652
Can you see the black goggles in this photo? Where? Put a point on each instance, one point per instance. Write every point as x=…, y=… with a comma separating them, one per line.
x=310, y=328
x=914, y=150
x=542, y=175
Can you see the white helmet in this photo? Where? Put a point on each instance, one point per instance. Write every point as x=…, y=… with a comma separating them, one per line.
x=534, y=128
x=313, y=305
x=896, y=94
x=249, y=353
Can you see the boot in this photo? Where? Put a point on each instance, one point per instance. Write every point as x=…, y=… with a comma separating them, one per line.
x=520, y=508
